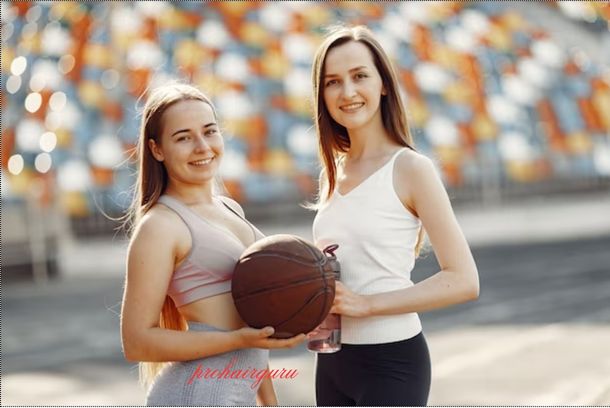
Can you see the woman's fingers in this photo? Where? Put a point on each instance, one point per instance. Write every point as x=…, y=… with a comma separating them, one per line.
x=313, y=333
x=285, y=343
x=266, y=331
x=260, y=338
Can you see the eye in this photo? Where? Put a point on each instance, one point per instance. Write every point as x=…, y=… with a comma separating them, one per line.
x=331, y=82
x=211, y=132
x=183, y=138
x=361, y=75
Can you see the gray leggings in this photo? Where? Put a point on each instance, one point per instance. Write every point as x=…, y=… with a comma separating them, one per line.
x=230, y=378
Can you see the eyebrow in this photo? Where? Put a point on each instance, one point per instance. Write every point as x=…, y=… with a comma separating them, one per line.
x=186, y=130
x=351, y=70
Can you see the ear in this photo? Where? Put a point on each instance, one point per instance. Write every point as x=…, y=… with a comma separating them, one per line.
x=155, y=150
x=383, y=91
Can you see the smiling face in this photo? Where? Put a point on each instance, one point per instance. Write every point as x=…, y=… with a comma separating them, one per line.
x=352, y=86
x=191, y=145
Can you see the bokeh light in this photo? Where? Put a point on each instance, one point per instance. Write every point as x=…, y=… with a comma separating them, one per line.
x=33, y=102
x=43, y=162
x=483, y=86
x=48, y=141
x=19, y=65
x=15, y=164
x=13, y=83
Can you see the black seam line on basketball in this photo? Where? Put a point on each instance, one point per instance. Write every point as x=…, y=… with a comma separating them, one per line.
x=286, y=256
x=320, y=266
x=309, y=302
x=274, y=289
x=313, y=297
x=317, y=256
x=306, y=245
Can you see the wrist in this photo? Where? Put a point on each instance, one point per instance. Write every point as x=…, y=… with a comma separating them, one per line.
x=370, y=305
x=237, y=340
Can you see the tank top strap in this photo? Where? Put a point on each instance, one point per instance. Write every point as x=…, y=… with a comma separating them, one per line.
x=386, y=171
x=257, y=234
x=185, y=213
x=175, y=205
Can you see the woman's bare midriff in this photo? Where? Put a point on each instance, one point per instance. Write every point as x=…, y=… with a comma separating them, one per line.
x=217, y=311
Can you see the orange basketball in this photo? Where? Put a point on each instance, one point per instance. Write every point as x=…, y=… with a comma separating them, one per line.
x=285, y=282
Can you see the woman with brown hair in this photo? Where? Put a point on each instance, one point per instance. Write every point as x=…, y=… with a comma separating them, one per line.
x=178, y=318
x=377, y=195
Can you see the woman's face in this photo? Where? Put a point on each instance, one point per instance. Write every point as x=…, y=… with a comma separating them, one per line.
x=352, y=86
x=191, y=144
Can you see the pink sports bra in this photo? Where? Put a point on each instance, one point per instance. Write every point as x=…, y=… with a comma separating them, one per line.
x=208, y=268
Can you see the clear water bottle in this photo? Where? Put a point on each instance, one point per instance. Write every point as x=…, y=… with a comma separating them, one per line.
x=326, y=338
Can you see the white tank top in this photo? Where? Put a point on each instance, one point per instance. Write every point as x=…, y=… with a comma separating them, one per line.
x=376, y=235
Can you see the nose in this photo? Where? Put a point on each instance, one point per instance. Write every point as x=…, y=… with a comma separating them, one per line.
x=201, y=145
x=349, y=90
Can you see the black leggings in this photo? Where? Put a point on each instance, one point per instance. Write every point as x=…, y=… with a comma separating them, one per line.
x=395, y=373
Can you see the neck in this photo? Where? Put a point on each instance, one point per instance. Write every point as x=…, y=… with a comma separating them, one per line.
x=369, y=146
x=369, y=141
x=191, y=194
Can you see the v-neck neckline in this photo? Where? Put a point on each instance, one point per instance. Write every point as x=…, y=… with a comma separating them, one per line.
x=216, y=226
x=367, y=178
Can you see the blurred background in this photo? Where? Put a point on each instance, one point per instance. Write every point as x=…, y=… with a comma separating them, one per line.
x=510, y=99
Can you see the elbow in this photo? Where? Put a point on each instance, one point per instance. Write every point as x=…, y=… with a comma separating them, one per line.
x=468, y=293
x=130, y=355
x=473, y=288
x=129, y=358
x=468, y=287
x=132, y=350
x=473, y=291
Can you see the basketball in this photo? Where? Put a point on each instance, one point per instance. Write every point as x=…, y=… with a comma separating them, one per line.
x=285, y=282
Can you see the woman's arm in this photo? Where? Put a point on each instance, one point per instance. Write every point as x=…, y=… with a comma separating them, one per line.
x=266, y=393
x=423, y=193
x=151, y=258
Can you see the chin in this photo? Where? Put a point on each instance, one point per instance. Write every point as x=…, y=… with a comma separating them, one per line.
x=353, y=122
x=208, y=177
x=201, y=178
x=354, y=125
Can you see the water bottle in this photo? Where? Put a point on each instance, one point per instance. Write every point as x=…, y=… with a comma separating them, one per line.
x=326, y=338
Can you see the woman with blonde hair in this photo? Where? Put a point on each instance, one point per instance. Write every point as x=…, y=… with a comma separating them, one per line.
x=178, y=318
x=377, y=195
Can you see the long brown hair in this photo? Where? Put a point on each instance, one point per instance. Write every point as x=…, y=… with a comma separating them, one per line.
x=151, y=183
x=333, y=139
x=152, y=177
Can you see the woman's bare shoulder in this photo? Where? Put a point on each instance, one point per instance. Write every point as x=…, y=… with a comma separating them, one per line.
x=415, y=176
x=410, y=162
x=159, y=223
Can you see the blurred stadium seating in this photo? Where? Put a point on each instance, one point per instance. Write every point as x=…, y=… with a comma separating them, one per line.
x=501, y=106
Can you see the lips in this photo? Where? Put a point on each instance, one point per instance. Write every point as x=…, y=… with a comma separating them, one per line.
x=202, y=162
x=352, y=107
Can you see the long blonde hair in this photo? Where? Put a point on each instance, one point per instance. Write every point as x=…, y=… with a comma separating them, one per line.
x=151, y=183
x=333, y=139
